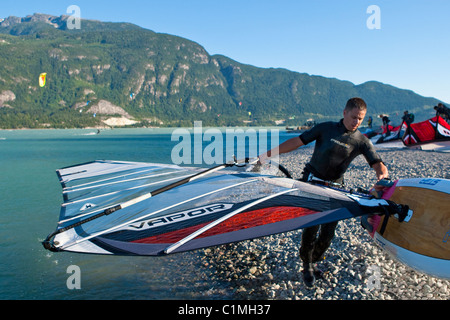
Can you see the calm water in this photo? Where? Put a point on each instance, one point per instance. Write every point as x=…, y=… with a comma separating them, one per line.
x=29, y=208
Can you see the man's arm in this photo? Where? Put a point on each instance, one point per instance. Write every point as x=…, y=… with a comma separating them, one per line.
x=380, y=170
x=285, y=147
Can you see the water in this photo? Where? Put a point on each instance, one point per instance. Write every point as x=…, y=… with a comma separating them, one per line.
x=29, y=209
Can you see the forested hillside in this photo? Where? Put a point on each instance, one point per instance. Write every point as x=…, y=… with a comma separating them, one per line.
x=107, y=70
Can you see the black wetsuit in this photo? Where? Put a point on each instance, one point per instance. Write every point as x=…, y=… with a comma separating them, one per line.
x=335, y=149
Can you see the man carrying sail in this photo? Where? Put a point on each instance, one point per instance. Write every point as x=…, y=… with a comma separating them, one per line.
x=337, y=144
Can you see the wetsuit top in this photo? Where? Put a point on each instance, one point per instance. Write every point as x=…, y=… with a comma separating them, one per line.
x=335, y=149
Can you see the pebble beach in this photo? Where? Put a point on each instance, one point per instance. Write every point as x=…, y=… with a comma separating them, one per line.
x=355, y=267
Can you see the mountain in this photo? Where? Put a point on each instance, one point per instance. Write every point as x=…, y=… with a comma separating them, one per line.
x=124, y=74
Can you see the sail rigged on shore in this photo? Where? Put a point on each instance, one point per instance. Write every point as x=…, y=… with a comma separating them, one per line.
x=435, y=129
x=226, y=205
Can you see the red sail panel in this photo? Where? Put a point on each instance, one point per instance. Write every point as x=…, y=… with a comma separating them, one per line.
x=240, y=221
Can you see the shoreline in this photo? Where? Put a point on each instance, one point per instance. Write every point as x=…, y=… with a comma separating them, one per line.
x=125, y=127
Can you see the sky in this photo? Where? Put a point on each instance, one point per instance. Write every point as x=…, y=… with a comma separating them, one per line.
x=404, y=43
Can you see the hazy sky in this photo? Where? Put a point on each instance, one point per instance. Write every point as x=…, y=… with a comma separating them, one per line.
x=410, y=49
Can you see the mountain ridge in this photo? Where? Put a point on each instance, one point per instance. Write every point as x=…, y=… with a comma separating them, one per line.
x=160, y=80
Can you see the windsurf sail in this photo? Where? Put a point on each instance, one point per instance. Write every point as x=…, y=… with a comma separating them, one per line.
x=394, y=133
x=434, y=129
x=132, y=208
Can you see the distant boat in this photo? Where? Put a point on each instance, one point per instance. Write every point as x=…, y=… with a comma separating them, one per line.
x=92, y=133
x=294, y=130
x=308, y=125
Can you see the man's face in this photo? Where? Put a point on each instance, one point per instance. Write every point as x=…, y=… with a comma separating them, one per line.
x=353, y=118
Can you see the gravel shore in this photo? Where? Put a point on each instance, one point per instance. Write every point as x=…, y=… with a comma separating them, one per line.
x=355, y=267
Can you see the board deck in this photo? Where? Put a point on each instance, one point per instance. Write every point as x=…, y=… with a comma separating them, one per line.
x=425, y=232
x=425, y=239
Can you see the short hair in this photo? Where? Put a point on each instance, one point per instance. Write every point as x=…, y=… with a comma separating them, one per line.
x=356, y=103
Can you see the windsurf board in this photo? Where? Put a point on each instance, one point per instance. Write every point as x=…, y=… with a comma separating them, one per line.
x=423, y=242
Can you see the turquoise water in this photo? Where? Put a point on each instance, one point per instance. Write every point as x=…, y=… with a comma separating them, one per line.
x=29, y=209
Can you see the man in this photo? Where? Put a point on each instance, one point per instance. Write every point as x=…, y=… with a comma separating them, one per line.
x=442, y=111
x=369, y=122
x=408, y=118
x=386, y=121
x=337, y=144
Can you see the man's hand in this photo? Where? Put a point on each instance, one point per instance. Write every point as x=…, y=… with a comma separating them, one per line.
x=285, y=147
x=262, y=159
x=381, y=171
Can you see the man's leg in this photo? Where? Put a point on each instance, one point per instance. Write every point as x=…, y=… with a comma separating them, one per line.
x=323, y=241
x=309, y=236
x=306, y=252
